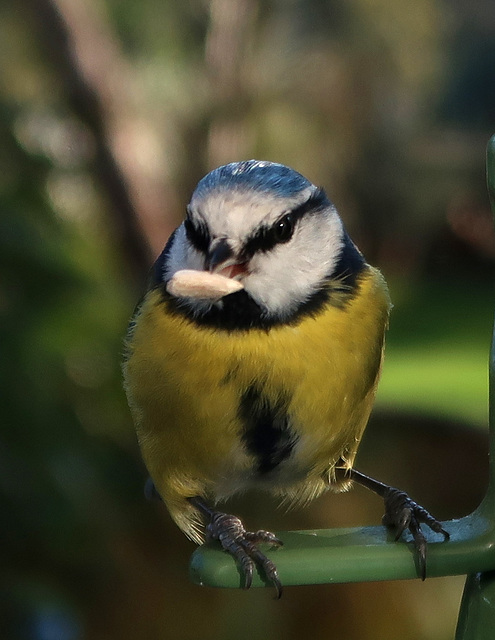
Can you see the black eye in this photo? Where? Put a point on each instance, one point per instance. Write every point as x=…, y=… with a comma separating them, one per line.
x=266, y=238
x=283, y=229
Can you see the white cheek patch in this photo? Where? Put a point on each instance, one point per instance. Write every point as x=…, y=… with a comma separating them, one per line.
x=287, y=276
x=202, y=285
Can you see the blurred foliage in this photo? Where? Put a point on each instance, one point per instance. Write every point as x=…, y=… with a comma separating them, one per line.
x=389, y=104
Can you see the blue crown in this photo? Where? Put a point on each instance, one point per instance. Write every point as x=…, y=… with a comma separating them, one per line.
x=257, y=175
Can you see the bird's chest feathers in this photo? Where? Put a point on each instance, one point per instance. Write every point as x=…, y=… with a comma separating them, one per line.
x=257, y=398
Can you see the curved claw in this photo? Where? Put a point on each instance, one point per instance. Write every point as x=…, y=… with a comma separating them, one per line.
x=242, y=546
x=420, y=545
x=278, y=587
x=260, y=559
x=403, y=513
x=246, y=567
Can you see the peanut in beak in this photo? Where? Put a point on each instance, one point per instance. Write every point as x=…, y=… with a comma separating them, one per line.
x=188, y=283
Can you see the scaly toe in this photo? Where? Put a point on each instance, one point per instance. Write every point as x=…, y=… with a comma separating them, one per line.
x=402, y=513
x=242, y=546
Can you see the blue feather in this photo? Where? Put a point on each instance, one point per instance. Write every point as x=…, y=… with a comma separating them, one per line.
x=265, y=177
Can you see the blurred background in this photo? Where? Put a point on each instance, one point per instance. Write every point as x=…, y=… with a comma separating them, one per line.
x=110, y=112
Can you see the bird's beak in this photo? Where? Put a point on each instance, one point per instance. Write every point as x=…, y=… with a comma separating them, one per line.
x=222, y=260
x=222, y=275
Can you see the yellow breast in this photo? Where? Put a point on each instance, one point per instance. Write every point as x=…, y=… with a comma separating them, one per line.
x=185, y=383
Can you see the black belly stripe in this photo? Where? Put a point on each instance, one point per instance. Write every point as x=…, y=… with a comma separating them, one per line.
x=266, y=433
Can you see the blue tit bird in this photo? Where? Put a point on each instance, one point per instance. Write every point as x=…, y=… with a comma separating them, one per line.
x=253, y=360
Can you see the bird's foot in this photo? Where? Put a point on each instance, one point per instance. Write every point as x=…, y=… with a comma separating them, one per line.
x=243, y=547
x=401, y=513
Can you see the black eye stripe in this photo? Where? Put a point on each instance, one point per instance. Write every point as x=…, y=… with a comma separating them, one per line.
x=317, y=201
x=266, y=238
x=197, y=235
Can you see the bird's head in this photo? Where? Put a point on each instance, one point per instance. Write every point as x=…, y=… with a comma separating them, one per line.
x=263, y=225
